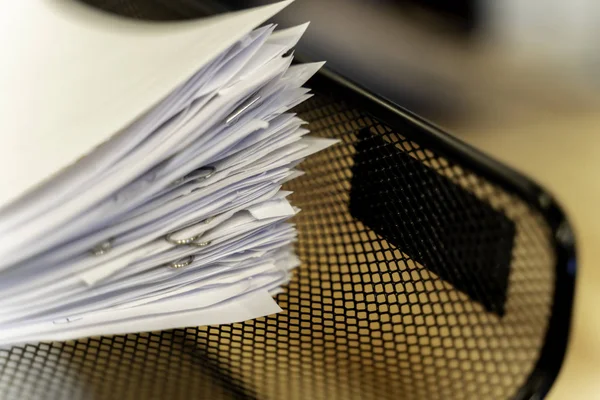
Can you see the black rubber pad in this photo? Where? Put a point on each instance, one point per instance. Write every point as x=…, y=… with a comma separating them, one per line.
x=434, y=221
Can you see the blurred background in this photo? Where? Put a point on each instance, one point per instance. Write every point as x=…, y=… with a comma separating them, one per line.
x=462, y=63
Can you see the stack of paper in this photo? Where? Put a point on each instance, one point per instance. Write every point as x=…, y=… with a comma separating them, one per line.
x=142, y=191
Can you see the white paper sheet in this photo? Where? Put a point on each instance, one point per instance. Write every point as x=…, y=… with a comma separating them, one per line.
x=152, y=194
x=49, y=46
x=253, y=305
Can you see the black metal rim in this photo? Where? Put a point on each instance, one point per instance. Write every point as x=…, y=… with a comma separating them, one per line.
x=412, y=126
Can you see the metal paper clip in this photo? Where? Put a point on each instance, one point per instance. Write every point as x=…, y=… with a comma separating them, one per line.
x=181, y=242
x=102, y=248
x=182, y=262
x=200, y=244
x=238, y=111
x=196, y=175
x=191, y=241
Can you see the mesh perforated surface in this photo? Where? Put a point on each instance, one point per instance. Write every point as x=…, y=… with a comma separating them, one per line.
x=367, y=315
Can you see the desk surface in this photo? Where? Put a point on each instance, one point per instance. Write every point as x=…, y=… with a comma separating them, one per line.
x=564, y=156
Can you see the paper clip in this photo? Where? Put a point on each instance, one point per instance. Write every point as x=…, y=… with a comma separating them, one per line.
x=191, y=241
x=102, y=248
x=181, y=242
x=200, y=244
x=196, y=175
x=238, y=111
x=182, y=262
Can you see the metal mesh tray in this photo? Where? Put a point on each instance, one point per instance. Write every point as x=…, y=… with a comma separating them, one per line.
x=428, y=271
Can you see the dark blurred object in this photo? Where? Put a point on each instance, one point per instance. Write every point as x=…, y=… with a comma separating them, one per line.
x=456, y=15
x=160, y=10
x=460, y=15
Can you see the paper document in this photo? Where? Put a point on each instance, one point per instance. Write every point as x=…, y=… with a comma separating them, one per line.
x=141, y=171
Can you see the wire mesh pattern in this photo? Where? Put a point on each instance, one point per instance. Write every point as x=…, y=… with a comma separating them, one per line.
x=362, y=319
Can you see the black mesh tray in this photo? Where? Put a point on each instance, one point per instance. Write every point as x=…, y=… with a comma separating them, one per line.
x=428, y=271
